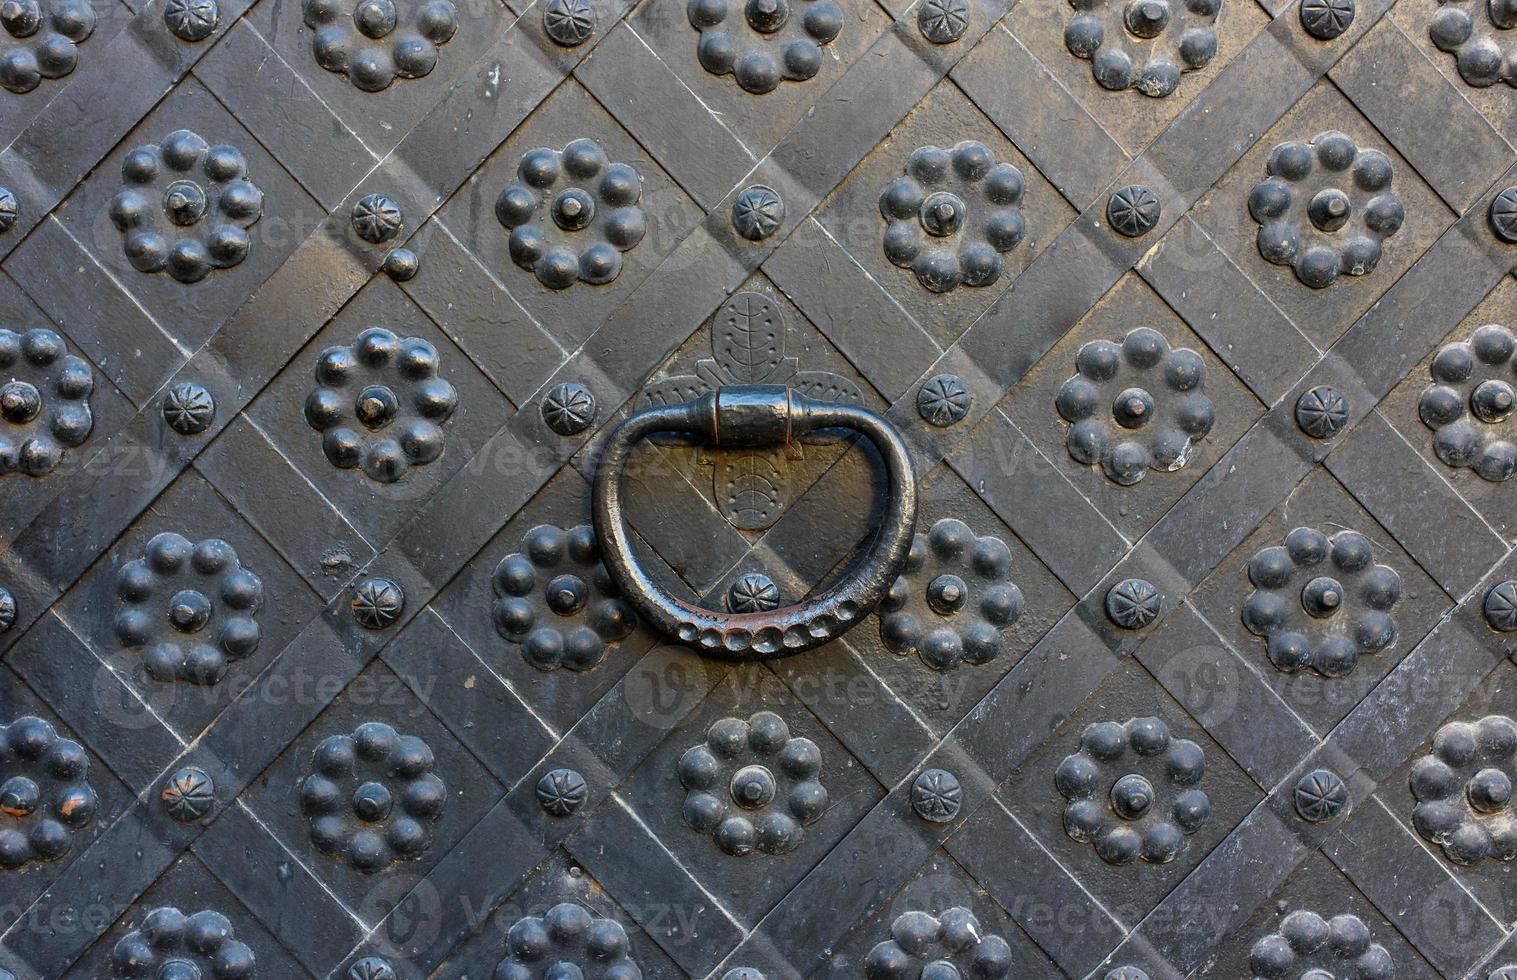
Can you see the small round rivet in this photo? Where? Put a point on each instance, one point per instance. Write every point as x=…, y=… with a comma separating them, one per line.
x=188, y=408
x=943, y=21
x=1320, y=795
x=568, y=408
x=1503, y=215
x=377, y=603
x=943, y=400
x=1126, y=973
x=753, y=592
x=1133, y=603
x=1133, y=211
x=743, y=973
x=402, y=264
x=1326, y=19
x=191, y=20
x=561, y=792
x=1501, y=607
x=936, y=795
x=376, y=218
x=1322, y=412
x=757, y=212
x=569, y=22
x=189, y=794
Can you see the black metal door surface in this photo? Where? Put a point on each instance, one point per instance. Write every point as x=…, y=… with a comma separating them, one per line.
x=1088, y=552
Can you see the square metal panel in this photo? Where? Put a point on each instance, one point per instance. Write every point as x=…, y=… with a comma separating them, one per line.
x=1224, y=214
x=394, y=795
x=1153, y=793
x=406, y=409
x=163, y=617
x=273, y=217
x=1132, y=116
x=751, y=854
x=393, y=77
x=1166, y=448
x=1344, y=651
x=759, y=118
x=188, y=889
x=571, y=313
x=1320, y=889
x=1027, y=214
x=1403, y=409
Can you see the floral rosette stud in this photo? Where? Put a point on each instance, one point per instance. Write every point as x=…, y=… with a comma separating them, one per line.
x=567, y=942
x=1475, y=33
x=1325, y=208
x=1463, y=788
x=1319, y=601
x=771, y=42
x=185, y=207
x=1311, y=947
x=189, y=608
x=44, y=401
x=939, y=947
x=555, y=599
x=953, y=215
x=1143, y=44
x=41, y=40
x=1133, y=791
x=170, y=945
x=752, y=786
x=372, y=797
x=1135, y=406
x=373, y=42
x=953, y=598
x=571, y=214
x=381, y=404
x=45, y=794
x=1470, y=403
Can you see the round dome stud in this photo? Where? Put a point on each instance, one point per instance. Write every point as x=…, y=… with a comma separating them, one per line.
x=377, y=218
x=936, y=795
x=189, y=794
x=1133, y=603
x=561, y=792
x=943, y=21
x=1326, y=19
x=568, y=408
x=188, y=408
x=1503, y=215
x=569, y=23
x=1501, y=607
x=191, y=20
x=753, y=592
x=943, y=400
x=377, y=603
x=757, y=212
x=1133, y=211
x=1322, y=412
x=1320, y=795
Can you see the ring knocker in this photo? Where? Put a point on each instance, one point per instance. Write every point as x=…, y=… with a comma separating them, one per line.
x=749, y=416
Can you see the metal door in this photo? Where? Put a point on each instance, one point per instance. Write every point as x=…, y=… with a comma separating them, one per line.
x=1140, y=374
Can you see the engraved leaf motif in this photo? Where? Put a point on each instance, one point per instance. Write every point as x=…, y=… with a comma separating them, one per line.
x=673, y=391
x=751, y=490
x=826, y=387
x=748, y=338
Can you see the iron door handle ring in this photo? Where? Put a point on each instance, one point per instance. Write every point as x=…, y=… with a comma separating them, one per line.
x=755, y=416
